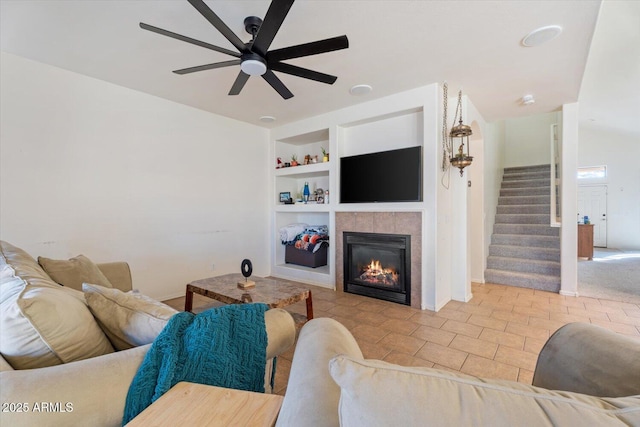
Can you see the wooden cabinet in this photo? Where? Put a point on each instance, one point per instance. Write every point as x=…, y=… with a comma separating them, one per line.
x=585, y=241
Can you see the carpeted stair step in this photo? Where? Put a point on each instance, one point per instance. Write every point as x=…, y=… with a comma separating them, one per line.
x=526, y=191
x=532, y=168
x=536, y=229
x=551, y=242
x=518, y=176
x=524, y=209
x=527, y=252
x=523, y=200
x=523, y=280
x=524, y=265
x=522, y=219
x=527, y=183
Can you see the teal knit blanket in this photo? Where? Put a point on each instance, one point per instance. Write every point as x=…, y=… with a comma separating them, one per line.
x=225, y=347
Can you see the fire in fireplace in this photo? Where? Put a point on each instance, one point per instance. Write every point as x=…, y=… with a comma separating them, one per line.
x=376, y=274
x=378, y=265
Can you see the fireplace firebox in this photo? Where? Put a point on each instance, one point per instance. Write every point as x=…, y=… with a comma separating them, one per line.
x=378, y=265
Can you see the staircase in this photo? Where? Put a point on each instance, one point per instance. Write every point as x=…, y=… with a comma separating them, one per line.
x=525, y=249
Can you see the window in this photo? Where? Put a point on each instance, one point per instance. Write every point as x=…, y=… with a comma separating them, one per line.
x=592, y=172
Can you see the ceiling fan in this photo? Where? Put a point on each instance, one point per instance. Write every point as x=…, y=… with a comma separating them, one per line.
x=254, y=57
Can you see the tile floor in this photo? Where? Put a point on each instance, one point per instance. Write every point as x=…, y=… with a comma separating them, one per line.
x=498, y=334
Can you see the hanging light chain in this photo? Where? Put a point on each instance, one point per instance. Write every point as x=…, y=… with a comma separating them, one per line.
x=446, y=146
x=458, y=111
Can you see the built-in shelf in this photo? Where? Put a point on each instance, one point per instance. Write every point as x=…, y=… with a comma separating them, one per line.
x=301, y=207
x=317, y=276
x=292, y=180
x=312, y=170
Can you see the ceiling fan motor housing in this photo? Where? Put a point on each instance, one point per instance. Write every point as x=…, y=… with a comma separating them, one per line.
x=252, y=25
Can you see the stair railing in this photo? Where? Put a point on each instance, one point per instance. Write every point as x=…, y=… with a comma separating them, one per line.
x=555, y=178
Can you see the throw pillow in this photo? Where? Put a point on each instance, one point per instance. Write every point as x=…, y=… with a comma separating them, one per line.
x=128, y=319
x=47, y=325
x=375, y=393
x=74, y=272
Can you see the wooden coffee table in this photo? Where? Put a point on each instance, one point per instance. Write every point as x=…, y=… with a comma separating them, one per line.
x=192, y=404
x=273, y=292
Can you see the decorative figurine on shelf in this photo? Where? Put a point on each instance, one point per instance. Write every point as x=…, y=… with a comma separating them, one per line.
x=306, y=193
x=315, y=159
x=279, y=163
x=307, y=159
x=246, y=268
x=294, y=160
x=325, y=155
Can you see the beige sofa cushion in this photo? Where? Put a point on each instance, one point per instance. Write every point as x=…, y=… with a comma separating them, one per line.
x=73, y=272
x=43, y=323
x=128, y=319
x=375, y=393
x=17, y=267
x=44, y=326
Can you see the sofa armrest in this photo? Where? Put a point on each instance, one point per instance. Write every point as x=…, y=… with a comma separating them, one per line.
x=312, y=396
x=118, y=274
x=281, y=331
x=89, y=392
x=588, y=359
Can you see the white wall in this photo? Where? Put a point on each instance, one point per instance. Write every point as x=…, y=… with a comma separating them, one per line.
x=569, y=201
x=93, y=168
x=459, y=209
x=527, y=140
x=494, y=149
x=619, y=152
x=390, y=133
x=475, y=197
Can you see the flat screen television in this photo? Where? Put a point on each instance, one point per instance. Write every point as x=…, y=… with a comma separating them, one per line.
x=386, y=176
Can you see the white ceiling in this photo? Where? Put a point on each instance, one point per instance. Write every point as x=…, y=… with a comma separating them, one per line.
x=394, y=46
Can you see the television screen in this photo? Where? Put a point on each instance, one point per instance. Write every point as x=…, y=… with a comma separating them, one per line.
x=386, y=176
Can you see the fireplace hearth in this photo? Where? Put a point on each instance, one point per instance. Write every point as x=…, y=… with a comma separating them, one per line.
x=378, y=265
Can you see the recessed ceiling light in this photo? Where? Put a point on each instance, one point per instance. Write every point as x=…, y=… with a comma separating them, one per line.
x=528, y=100
x=541, y=35
x=360, y=90
x=267, y=119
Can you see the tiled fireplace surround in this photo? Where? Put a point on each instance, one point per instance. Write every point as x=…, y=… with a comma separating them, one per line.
x=383, y=222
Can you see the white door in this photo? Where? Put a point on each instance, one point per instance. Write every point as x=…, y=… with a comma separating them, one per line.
x=592, y=202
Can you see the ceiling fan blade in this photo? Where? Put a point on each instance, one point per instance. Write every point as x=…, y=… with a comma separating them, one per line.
x=278, y=10
x=187, y=39
x=303, y=72
x=239, y=83
x=208, y=67
x=217, y=22
x=307, y=49
x=275, y=83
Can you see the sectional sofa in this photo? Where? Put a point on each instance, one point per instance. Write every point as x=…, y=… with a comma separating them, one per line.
x=68, y=356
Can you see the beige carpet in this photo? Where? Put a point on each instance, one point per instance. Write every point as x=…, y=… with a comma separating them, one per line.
x=613, y=274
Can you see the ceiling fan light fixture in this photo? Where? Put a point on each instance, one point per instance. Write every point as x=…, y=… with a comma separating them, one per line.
x=253, y=65
x=541, y=35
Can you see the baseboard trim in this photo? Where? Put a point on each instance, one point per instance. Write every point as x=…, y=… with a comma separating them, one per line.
x=569, y=294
